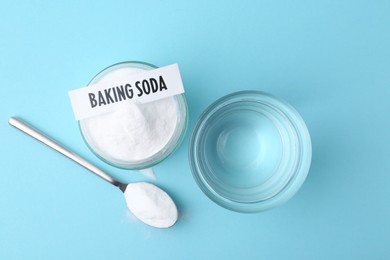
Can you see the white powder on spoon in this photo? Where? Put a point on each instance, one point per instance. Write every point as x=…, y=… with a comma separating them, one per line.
x=151, y=205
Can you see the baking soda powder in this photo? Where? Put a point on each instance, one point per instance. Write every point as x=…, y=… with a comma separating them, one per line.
x=134, y=132
x=151, y=205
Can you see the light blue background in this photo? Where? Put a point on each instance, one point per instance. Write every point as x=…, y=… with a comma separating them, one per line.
x=329, y=59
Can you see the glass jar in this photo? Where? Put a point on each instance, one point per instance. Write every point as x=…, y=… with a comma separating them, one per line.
x=131, y=137
x=250, y=151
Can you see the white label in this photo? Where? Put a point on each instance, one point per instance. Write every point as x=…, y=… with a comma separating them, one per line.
x=146, y=86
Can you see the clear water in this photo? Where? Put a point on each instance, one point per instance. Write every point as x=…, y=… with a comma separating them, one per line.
x=250, y=151
x=243, y=148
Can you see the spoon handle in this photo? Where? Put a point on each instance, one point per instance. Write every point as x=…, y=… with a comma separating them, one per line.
x=38, y=135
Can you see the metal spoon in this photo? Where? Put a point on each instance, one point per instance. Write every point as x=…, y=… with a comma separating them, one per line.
x=166, y=222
